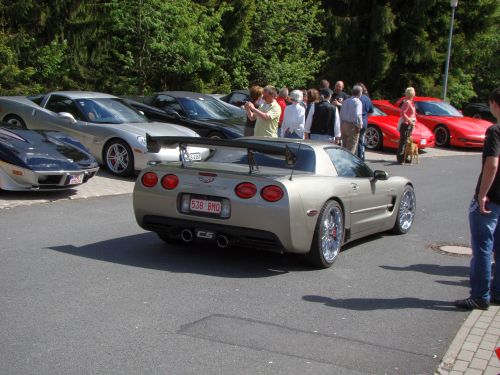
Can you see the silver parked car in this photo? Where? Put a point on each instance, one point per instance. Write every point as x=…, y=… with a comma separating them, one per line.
x=275, y=194
x=114, y=132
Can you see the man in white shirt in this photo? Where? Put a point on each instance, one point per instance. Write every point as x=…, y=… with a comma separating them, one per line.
x=294, y=117
x=351, y=120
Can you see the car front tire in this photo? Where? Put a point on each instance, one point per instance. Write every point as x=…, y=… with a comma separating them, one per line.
x=442, y=136
x=328, y=236
x=118, y=158
x=373, y=138
x=15, y=120
x=216, y=135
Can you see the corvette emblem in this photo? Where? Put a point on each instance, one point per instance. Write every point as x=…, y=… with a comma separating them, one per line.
x=206, y=178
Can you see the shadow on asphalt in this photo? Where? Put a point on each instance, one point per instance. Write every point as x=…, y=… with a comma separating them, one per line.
x=369, y=304
x=36, y=195
x=105, y=174
x=464, y=283
x=147, y=251
x=433, y=269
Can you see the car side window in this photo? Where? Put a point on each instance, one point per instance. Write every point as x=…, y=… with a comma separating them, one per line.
x=348, y=165
x=168, y=102
x=238, y=98
x=58, y=104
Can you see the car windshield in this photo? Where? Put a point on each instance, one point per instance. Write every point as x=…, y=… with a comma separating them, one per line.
x=378, y=112
x=109, y=111
x=436, y=109
x=205, y=108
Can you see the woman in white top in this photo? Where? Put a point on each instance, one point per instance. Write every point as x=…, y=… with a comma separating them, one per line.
x=294, y=117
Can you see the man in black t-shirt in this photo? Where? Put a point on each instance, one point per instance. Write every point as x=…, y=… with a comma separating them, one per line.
x=484, y=221
x=339, y=95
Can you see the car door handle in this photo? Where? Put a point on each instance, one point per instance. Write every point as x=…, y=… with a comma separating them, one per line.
x=354, y=186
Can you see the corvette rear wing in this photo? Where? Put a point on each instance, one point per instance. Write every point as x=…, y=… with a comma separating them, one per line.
x=251, y=145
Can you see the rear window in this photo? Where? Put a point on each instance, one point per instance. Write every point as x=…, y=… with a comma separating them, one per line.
x=306, y=158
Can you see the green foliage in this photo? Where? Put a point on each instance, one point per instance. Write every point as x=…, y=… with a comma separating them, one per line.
x=140, y=46
x=280, y=52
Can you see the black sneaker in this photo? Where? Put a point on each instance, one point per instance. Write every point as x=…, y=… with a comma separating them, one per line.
x=471, y=304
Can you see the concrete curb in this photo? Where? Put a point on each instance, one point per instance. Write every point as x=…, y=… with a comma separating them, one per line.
x=472, y=351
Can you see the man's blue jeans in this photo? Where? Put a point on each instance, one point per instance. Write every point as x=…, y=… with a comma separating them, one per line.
x=485, y=240
x=361, y=144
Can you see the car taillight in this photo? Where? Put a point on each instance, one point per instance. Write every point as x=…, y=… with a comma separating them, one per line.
x=245, y=190
x=170, y=181
x=271, y=193
x=149, y=179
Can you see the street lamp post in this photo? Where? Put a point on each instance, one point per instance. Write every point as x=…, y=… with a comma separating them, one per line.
x=453, y=4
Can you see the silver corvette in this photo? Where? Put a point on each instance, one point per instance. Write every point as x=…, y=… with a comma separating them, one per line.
x=114, y=132
x=279, y=195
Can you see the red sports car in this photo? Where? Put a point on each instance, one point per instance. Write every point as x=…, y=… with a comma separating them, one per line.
x=449, y=126
x=382, y=132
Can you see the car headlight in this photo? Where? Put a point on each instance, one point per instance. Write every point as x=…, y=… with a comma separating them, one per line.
x=141, y=140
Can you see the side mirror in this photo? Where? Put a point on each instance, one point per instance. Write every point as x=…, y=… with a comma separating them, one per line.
x=142, y=113
x=380, y=175
x=173, y=113
x=68, y=116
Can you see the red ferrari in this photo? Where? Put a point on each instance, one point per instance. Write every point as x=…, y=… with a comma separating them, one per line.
x=382, y=132
x=449, y=126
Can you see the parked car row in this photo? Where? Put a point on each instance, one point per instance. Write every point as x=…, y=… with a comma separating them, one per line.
x=438, y=123
x=114, y=129
x=450, y=127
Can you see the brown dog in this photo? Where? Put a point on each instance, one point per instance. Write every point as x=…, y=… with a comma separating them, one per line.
x=411, y=150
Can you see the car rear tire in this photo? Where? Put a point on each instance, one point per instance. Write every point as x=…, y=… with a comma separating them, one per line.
x=328, y=236
x=406, y=211
x=15, y=120
x=442, y=136
x=118, y=158
x=216, y=135
x=374, y=140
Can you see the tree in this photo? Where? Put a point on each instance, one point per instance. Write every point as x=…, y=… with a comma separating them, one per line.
x=280, y=51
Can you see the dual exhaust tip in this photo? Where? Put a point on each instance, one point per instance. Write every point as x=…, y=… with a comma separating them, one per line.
x=221, y=240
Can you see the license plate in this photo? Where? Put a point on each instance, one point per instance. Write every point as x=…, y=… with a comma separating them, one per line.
x=195, y=156
x=75, y=179
x=202, y=205
x=423, y=141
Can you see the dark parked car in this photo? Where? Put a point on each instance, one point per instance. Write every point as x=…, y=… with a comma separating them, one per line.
x=42, y=160
x=479, y=110
x=237, y=97
x=204, y=114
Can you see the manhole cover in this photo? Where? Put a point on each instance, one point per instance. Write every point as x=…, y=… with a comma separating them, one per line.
x=452, y=249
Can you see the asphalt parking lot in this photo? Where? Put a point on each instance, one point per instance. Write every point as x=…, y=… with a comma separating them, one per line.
x=104, y=183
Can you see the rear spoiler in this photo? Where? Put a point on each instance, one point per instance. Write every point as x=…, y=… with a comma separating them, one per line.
x=154, y=144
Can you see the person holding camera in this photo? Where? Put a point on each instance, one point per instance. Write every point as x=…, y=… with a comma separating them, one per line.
x=256, y=100
x=267, y=115
x=406, y=123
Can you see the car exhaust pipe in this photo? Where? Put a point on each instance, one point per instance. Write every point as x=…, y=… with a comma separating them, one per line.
x=187, y=235
x=222, y=241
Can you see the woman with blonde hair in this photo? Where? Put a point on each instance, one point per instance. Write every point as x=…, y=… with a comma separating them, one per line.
x=407, y=120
